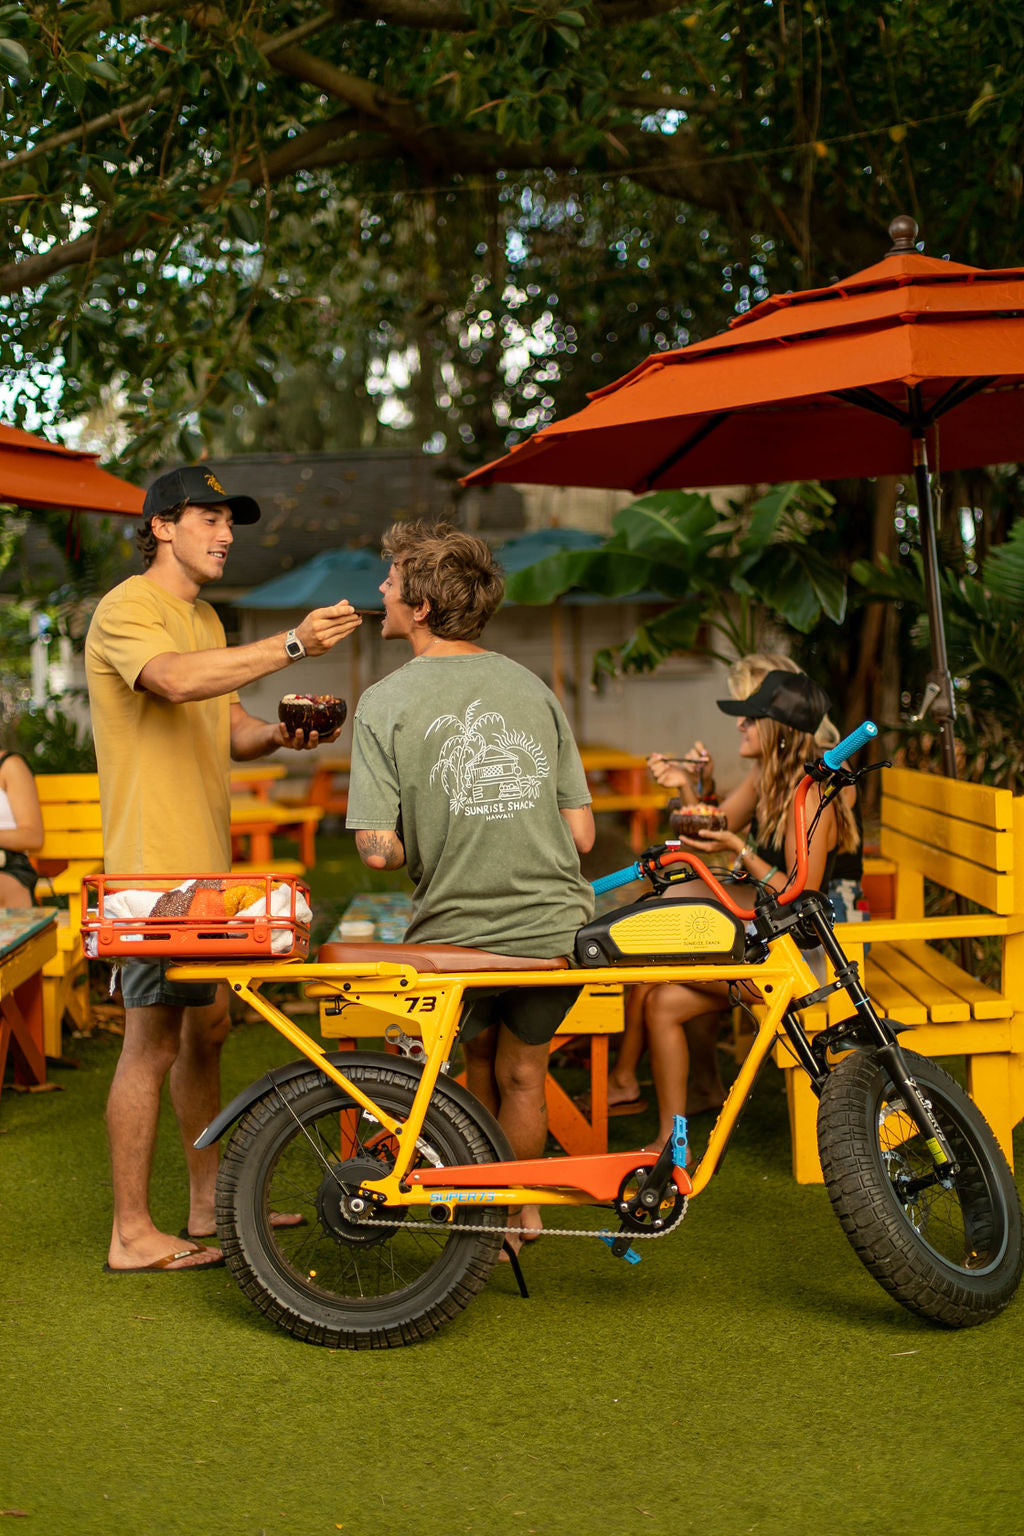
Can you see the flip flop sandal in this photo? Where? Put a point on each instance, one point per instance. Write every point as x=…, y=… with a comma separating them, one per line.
x=165, y=1266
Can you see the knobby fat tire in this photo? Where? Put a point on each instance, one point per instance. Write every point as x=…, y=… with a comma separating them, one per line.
x=385, y=1288
x=952, y=1256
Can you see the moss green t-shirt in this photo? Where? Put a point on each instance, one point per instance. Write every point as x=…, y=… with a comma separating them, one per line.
x=164, y=769
x=471, y=758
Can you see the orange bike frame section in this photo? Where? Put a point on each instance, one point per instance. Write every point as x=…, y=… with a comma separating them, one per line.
x=434, y=1001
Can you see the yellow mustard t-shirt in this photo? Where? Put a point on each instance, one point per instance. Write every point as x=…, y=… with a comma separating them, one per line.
x=165, y=795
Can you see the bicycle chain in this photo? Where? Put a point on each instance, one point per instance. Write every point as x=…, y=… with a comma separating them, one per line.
x=371, y=1221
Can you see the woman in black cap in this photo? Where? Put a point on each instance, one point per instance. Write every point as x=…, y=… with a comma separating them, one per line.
x=777, y=725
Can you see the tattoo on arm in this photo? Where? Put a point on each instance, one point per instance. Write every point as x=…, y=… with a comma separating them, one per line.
x=380, y=850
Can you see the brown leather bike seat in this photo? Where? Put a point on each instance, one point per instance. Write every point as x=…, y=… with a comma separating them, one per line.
x=439, y=958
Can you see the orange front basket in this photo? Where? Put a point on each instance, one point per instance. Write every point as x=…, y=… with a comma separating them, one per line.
x=195, y=917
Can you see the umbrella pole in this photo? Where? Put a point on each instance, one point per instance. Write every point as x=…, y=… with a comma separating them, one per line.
x=939, y=694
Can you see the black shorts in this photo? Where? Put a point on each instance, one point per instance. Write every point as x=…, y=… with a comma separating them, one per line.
x=17, y=864
x=532, y=1014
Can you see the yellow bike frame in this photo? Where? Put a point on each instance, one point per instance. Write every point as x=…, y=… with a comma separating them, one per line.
x=434, y=1002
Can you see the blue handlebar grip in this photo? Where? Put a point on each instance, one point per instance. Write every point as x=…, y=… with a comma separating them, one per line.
x=616, y=878
x=836, y=756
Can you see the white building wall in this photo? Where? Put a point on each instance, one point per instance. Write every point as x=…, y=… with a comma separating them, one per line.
x=663, y=712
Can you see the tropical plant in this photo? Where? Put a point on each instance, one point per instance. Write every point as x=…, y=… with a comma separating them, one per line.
x=984, y=623
x=734, y=574
x=51, y=741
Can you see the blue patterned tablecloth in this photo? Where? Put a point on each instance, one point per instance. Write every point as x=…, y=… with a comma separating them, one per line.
x=19, y=923
x=390, y=913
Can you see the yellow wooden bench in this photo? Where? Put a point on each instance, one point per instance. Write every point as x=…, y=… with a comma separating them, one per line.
x=72, y=848
x=967, y=839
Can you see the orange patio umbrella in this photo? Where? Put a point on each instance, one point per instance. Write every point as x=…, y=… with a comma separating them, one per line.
x=40, y=475
x=910, y=359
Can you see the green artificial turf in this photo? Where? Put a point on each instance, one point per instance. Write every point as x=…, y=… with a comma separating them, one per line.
x=747, y=1376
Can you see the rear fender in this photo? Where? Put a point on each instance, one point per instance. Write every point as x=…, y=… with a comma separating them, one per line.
x=345, y=1061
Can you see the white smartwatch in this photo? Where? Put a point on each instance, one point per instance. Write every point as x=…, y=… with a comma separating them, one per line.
x=293, y=646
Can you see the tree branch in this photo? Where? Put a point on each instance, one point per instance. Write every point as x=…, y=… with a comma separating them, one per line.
x=425, y=15
x=141, y=104
x=94, y=246
x=358, y=93
x=637, y=10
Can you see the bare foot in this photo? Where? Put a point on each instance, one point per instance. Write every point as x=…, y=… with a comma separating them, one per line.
x=278, y=1219
x=698, y=1103
x=623, y=1093
x=527, y=1217
x=160, y=1251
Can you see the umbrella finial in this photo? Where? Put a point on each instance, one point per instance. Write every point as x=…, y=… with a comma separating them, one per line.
x=903, y=234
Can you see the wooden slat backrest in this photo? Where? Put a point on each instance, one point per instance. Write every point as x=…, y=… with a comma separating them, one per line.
x=70, y=804
x=961, y=836
x=60, y=787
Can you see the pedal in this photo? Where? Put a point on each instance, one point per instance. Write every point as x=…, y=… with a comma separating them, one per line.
x=620, y=1247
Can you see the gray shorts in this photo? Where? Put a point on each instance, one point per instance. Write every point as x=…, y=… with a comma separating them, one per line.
x=144, y=984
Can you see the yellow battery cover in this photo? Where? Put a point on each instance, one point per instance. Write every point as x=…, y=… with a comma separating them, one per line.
x=675, y=927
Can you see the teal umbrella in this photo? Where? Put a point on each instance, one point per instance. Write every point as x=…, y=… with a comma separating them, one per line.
x=527, y=549
x=520, y=553
x=326, y=579
x=516, y=554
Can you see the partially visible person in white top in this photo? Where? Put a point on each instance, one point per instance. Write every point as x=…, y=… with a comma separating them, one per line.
x=21, y=830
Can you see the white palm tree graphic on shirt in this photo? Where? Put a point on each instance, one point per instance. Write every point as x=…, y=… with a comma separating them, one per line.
x=499, y=766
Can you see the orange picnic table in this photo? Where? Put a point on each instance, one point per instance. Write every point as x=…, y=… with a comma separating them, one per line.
x=28, y=939
x=620, y=782
x=257, y=821
x=256, y=779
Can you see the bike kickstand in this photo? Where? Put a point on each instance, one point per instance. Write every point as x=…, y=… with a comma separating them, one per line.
x=517, y=1268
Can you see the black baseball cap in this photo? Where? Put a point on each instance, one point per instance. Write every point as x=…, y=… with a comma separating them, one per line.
x=200, y=488
x=791, y=698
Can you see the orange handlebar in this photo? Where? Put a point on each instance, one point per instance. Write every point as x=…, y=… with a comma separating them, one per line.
x=721, y=893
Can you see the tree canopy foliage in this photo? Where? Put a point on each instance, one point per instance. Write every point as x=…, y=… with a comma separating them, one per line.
x=447, y=219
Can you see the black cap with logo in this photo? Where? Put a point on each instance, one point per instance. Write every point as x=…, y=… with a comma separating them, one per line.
x=791, y=698
x=200, y=488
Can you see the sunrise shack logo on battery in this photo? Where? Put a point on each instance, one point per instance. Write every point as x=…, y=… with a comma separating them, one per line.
x=484, y=768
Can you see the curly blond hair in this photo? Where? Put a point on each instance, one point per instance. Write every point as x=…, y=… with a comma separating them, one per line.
x=452, y=571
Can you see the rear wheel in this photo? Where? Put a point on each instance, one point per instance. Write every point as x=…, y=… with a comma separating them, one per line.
x=951, y=1254
x=337, y=1279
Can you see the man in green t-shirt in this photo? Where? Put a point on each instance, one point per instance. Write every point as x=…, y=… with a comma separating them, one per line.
x=464, y=768
x=166, y=722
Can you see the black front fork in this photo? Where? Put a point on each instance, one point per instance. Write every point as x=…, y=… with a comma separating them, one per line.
x=866, y=1030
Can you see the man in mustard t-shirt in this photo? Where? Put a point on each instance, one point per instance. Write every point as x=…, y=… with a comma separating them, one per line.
x=167, y=722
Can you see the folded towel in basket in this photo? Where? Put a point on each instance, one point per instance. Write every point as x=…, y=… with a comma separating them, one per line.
x=133, y=905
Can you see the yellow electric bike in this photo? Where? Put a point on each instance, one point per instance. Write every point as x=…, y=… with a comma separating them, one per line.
x=405, y=1180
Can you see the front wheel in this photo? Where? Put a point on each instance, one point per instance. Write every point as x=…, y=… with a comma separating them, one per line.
x=952, y=1254
x=339, y=1279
